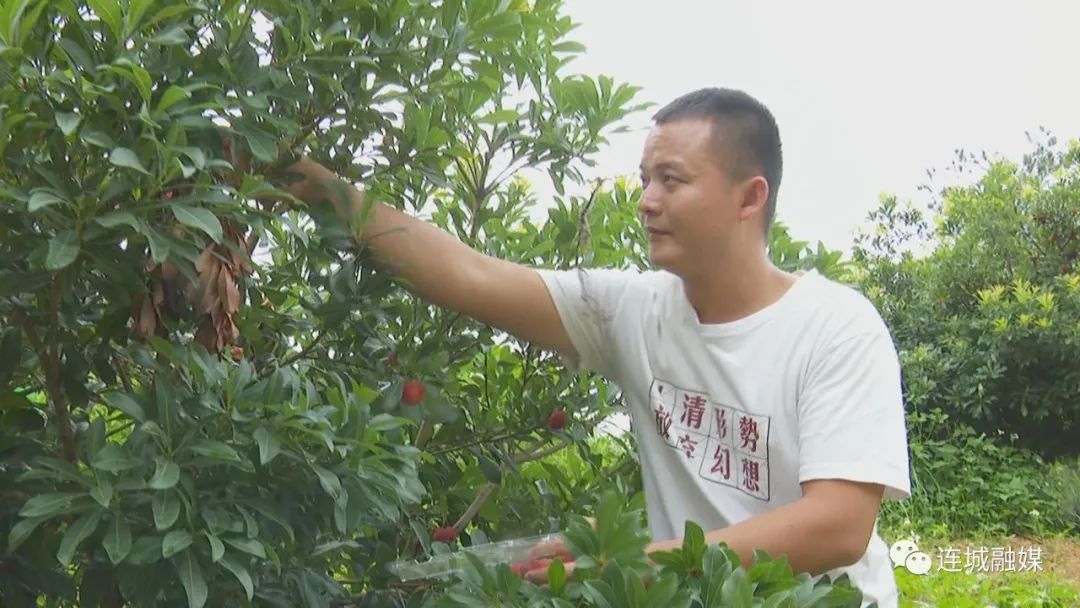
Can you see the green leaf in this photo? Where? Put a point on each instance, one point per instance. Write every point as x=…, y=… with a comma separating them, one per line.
x=175, y=542
x=172, y=36
x=500, y=116
x=249, y=546
x=199, y=218
x=125, y=157
x=214, y=450
x=76, y=533
x=166, y=507
x=45, y=197
x=145, y=551
x=737, y=591
x=693, y=544
x=263, y=147
x=22, y=531
x=136, y=74
x=67, y=122
x=241, y=574
x=217, y=548
x=328, y=480
x=122, y=402
x=662, y=591
x=557, y=576
x=63, y=249
x=103, y=493
x=196, y=155
x=159, y=245
x=191, y=577
x=166, y=475
x=136, y=10
x=47, y=505
x=97, y=138
x=109, y=13
x=113, y=458
x=269, y=446
x=117, y=541
x=117, y=218
x=173, y=95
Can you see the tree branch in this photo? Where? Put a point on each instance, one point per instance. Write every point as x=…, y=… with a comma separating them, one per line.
x=477, y=504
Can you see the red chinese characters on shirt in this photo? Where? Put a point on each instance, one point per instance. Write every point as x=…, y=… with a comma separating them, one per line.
x=693, y=410
x=663, y=422
x=720, y=423
x=688, y=444
x=751, y=475
x=748, y=433
x=722, y=462
x=721, y=443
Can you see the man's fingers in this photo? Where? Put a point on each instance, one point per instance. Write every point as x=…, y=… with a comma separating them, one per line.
x=539, y=575
x=547, y=549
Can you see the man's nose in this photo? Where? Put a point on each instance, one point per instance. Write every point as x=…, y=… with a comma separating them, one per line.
x=649, y=203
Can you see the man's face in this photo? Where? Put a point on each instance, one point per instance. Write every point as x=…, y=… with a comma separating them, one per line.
x=690, y=205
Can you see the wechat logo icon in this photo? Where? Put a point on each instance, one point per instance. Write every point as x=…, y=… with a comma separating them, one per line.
x=906, y=554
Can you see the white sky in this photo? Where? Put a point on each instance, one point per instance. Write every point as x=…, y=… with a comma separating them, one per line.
x=868, y=95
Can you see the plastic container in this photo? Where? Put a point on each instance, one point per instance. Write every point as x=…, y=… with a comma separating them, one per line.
x=491, y=554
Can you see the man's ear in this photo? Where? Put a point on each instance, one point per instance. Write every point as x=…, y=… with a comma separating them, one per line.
x=753, y=196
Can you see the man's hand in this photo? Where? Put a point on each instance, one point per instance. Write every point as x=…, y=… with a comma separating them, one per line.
x=535, y=568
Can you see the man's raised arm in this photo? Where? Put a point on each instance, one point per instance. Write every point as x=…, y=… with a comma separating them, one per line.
x=440, y=268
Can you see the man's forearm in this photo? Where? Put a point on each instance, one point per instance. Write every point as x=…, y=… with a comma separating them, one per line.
x=427, y=258
x=813, y=539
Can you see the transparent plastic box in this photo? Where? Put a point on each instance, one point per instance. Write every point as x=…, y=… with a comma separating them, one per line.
x=491, y=554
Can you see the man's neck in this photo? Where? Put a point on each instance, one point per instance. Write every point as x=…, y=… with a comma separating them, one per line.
x=723, y=295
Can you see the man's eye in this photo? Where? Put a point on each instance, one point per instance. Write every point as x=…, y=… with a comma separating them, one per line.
x=670, y=179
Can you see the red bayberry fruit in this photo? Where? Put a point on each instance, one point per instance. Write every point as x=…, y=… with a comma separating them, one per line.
x=413, y=392
x=391, y=358
x=444, y=535
x=557, y=420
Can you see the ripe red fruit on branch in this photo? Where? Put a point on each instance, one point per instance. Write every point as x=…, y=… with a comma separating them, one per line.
x=413, y=392
x=444, y=535
x=391, y=358
x=556, y=420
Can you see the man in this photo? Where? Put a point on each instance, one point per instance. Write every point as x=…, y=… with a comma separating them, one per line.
x=767, y=405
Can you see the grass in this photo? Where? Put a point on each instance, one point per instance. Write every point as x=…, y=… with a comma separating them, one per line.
x=962, y=590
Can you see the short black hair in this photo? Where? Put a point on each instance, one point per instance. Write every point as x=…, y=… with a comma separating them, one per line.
x=752, y=141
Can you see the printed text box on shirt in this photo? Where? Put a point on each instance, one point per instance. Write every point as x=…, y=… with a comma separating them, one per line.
x=751, y=434
x=691, y=411
x=718, y=463
x=753, y=475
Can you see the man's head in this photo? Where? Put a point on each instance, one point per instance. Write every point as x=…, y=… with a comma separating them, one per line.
x=711, y=170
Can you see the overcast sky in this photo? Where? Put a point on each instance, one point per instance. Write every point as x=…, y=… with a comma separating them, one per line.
x=868, y=95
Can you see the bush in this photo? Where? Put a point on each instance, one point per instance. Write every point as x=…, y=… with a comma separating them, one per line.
x=1065, y=477
x=983, y=297
x=966, y=484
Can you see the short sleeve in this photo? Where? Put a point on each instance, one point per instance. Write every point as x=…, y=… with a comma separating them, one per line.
x=851, y=416
x=588, y=302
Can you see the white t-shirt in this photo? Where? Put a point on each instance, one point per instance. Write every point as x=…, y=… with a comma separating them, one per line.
x=730, y=418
